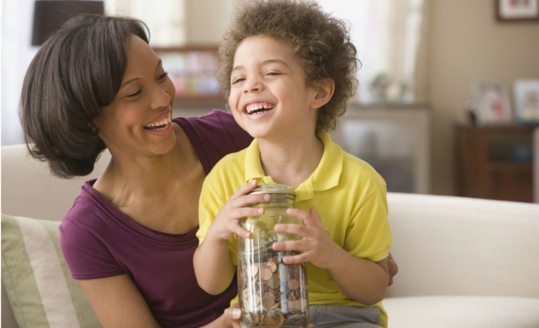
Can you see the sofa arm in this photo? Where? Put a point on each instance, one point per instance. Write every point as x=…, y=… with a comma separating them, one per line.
x=462, y=246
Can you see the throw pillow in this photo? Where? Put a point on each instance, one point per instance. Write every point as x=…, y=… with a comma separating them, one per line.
x=37, y=279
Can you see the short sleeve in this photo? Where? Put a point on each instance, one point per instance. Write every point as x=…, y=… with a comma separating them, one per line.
x=212, y=198
x=85, y=255
x=213, y=136
x=369, y=233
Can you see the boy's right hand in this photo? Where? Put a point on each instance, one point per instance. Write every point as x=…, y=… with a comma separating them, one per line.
x=226, y=223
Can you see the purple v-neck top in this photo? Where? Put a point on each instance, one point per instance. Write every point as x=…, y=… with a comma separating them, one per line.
x=99, y=241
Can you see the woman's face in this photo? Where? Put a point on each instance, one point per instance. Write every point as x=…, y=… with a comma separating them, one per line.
x=138, y=121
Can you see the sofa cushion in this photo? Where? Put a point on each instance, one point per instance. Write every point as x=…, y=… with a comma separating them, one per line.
x=462, y=312
x=37, y=280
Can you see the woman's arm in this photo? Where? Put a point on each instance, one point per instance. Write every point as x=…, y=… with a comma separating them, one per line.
x=118, y=302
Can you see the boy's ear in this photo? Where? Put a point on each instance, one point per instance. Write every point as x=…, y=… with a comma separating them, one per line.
x=324, y=91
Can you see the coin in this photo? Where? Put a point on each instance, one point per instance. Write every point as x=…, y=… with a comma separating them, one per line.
x=294, y=306
x=252, y=270
x=293, y=284
x=274, y=282
x=296, y=320
x=268, y=300
x=246, y=319
x=272, y=265
x=266, y=273
x=273, y=318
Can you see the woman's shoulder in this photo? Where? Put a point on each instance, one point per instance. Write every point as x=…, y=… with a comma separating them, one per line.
x=215, y=124
x=214, y=136
x=87, y=208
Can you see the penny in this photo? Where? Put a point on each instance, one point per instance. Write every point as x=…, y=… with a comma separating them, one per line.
x=273, y=318
x=252, y=270
x=295, y=306
x=256, y=318
x=285, y=277
x=274, y=282
x=268, y=300
x=272, y=265
x=247, y=320
x=293, y=284
x=266, y=273
x=296, y=320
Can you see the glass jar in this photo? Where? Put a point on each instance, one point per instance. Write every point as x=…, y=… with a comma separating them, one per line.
x=271, y=293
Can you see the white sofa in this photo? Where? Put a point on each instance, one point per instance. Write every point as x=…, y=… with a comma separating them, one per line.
x=463, y=262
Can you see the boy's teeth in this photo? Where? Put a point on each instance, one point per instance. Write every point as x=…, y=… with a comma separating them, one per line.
x=254, y=107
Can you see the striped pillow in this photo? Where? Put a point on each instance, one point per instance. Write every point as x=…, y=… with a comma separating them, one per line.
x=37, y=279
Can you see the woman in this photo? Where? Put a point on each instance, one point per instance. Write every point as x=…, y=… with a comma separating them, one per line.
x=130, y=237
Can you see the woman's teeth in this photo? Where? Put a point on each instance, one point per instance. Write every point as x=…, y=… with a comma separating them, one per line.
x=258, y=108
x=159, y=125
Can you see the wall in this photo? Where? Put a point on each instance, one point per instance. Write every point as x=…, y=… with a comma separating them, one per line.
x=16, y=55
x=467, y=44
x=206, y=20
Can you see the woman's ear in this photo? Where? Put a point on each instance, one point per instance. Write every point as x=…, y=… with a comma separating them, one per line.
x=324, y=91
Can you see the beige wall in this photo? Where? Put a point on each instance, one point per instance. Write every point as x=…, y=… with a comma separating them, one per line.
x=206, y=20
x=467, y=44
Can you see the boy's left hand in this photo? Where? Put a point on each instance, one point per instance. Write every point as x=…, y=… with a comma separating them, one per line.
x=318, y=248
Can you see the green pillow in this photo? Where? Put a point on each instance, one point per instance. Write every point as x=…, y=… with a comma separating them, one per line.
x=37, y=280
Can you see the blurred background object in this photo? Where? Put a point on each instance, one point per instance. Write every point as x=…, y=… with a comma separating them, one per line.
x=50, y=15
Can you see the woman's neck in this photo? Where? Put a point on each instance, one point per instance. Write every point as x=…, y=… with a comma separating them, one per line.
x=129, y=177
x=291, y=162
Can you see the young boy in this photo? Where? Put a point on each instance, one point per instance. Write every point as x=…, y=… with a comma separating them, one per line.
x=288, y=69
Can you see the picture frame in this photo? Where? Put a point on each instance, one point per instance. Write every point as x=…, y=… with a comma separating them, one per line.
x=517, y=10
x=493, y=105
x=526, y=94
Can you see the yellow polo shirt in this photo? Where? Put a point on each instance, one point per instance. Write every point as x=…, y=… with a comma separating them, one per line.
x=348, y=194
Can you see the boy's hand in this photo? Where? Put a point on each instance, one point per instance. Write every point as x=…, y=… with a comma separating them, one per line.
x=318, y=248
x=226, y=223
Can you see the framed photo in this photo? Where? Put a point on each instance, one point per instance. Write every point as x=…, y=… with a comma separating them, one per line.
x=526, y=94
x=492, y=101
x=517, y=10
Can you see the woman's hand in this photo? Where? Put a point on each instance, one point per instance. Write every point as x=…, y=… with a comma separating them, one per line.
x=393, y=269
x=226, y=223
x=233, y=315
x=318, y=248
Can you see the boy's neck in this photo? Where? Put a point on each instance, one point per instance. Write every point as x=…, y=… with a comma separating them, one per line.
x=291, y=162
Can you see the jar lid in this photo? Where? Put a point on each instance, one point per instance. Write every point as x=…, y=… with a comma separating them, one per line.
x=274, y=189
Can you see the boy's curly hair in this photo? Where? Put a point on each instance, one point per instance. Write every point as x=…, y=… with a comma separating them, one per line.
x=320, y=42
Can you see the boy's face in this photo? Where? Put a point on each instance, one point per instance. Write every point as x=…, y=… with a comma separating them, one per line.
x=269, y=97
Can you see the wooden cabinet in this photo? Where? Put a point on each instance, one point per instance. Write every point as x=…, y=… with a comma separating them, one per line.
x=495, y=162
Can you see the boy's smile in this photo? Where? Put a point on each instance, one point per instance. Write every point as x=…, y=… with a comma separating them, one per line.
x=269, y=97
x=258, y=107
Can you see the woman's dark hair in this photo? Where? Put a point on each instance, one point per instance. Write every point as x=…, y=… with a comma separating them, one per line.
x=320, y=42
x=75, y=73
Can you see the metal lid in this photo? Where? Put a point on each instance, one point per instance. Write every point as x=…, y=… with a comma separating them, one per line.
x=274, y=189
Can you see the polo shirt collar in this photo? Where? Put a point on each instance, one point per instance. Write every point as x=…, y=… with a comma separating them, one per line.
x=325, y=176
